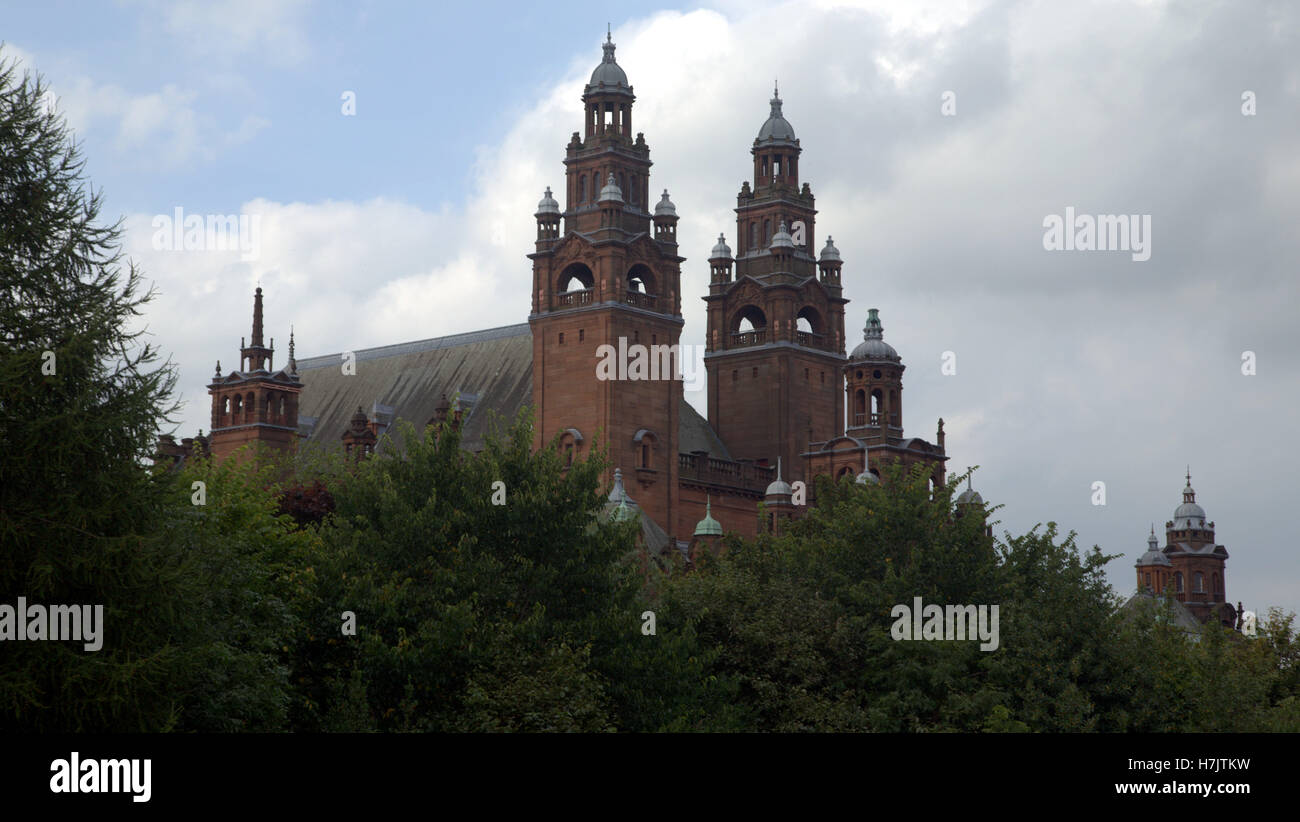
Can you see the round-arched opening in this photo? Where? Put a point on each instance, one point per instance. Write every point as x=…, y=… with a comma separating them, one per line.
x=809, y=320
x=749, y=318
x=641, y=278
x=575, y=278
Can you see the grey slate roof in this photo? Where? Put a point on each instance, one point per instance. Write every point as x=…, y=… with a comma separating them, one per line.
x=1145, y=602
x=494, y=367
x=695, y=434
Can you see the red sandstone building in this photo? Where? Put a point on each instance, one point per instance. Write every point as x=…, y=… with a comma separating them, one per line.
x=785, y=402
x=1191, y=567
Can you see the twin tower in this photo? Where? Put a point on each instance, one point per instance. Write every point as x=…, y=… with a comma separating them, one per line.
x=606, y=271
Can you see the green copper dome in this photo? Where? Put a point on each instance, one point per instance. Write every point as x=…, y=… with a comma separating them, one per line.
x=708, y=527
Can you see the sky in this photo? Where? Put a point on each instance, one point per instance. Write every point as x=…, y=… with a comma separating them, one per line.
x=938, y=138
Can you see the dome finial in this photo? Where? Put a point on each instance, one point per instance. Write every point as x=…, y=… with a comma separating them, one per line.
x=873, y=330
x=609, y=44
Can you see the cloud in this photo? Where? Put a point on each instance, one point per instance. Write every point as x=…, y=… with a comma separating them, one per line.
x=1072, y=366
x=274, y=29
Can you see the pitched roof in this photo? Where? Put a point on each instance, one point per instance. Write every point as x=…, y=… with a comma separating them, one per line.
x=1151, y=604
x=695, y=434
x=492, y=370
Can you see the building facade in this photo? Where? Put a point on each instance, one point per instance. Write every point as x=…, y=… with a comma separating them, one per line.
x=1191, y=566
x=785, y=402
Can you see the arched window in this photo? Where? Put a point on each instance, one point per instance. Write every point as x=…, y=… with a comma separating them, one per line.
x=570, y=441
x=877, y=400
x=1199, y=582
x=846, y=471
x=282, y=407
x=239, y=403
x=631, y=190
x=646, y=440
x=1178, y=582
x=225, y=405
x=860, y=407
x=753, y=234
x=767, y=233
x=1148, y=576
x=582, y=188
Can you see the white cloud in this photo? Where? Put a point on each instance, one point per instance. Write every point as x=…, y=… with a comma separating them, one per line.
x=1072, y=367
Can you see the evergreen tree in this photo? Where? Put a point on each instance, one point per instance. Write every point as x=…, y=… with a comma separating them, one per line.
x=80, y=399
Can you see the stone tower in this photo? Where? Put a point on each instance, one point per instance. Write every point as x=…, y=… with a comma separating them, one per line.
x=604, y=286
x=255, y=403
x=1197, y=563
x=775, y=340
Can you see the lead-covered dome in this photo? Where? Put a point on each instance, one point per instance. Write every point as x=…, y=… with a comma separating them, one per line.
x=873, y=345
x=1189, y=515
x=776, y=127
x=1153, y=555
x=721, y=251
x=609, y=76
x=548, y=204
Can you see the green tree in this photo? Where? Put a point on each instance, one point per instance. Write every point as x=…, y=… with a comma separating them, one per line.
x=80, y=398
x=471, y=614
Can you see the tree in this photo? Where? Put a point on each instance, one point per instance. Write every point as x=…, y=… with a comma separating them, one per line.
x=80, y=398
x=478, y=612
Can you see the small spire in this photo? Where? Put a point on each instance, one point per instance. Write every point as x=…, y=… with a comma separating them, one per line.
x=778, y=469
x=218, y=371
x=257, y=318
x=609, y=45
x=293, y=362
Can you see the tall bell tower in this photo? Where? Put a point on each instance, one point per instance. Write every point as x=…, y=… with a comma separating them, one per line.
x=775, y=344
x=605, y=285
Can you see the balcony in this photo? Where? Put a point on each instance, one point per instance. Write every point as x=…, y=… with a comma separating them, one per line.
x=809, y=340
x=642, y=300
x=746, y=475
x=744, y=339
x=875, y=420
x=573, y=299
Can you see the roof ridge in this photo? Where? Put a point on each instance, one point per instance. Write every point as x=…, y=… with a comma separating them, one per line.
x=430, y=344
